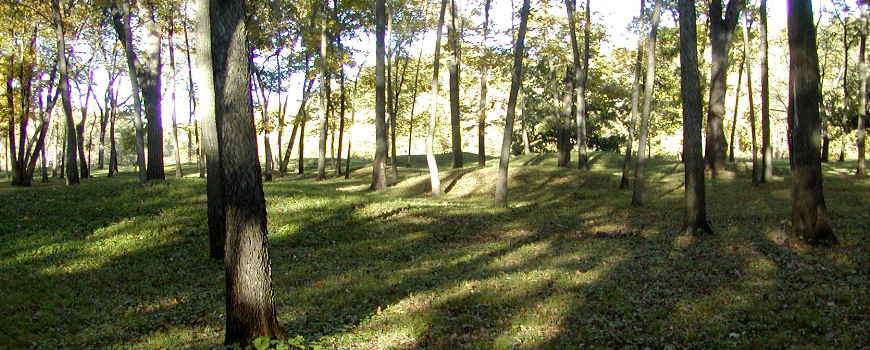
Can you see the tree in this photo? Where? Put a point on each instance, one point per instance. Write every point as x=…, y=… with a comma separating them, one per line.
x=178, y=171
x=121, y=15
x=210, y=134
x=810, y=221
x=861, y=134
x=635, y=99
x=766, y=146
x=378, y=167
x=250, y=311
x=756, y=168
x=72, y=177
x=640, y=162
x=481, y=119
x=721, y=35
x=324, y=92
x=579, y=82
x=516, y=80
x=453, y=68
x=690, y=91
x=434, y=181
x=150, y=81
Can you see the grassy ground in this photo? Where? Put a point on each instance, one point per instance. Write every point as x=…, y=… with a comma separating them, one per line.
x=111, y=264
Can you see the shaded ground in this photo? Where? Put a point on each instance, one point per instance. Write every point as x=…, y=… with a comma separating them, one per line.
x=114, y=265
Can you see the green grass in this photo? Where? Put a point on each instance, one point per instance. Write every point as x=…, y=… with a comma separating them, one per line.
x=111, y=264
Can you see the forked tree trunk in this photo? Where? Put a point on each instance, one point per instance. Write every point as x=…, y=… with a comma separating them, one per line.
x=635, y=99
x=250, y=312
x=72, y=177
x=732, y=139
x=810, y=221
x=121, y=14
x=640, y=162
x=516, y=81
x=756, y=168
x=178, y=172
x=690, y=91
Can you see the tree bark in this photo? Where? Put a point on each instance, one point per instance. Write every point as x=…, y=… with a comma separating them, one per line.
x=481, y=119
x=580, y=74
x=121, y=14
x=862, y=104
x=453, y=68
x=178, y=172
x=690, y=91
x=211, y=138
x=434, y=180
x=810, y=221
x=324, y=93
x=721, y=35
x=635, y=99
x=766, y=146
x=516, y=81
x=72, y=177
x=150, y=77
x=378, y=170
x=341, y=107
x=521, y=100
x=640, y=162
x=731, y=141
x=249, y=306
x=756, y=168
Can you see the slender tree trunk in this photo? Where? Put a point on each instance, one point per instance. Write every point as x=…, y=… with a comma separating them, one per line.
x=301, y=161
x=121, y=14
x=352, y=119
x=378, y=171
x=72, y=177
x=810, y=220
x=150, y=78
x=721, y=35
x=635, y=99
x=113, y=151
x=211, y=138
x=516, y=81
x=178, y=172
x=845, y=112
x=732, y=139
x=413, y=104
x=324, y=94
x=690, y=91
x=249, y=307
x=579, y=81
x=766, y=146
x=640, y=162
x=481, y=120
x=434, y=180
x=862, y=104
x=756, y=168
x=341, y=107
x=453, y=68
x=191, y=94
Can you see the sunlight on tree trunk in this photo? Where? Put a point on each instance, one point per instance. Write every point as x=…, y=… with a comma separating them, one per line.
x=640, y=162
x=635, y=101
x=378, y=167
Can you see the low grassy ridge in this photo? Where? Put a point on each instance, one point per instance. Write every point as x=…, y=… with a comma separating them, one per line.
x=111, y=264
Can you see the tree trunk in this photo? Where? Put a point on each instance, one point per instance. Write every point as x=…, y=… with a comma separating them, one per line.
x=635, y=99
x=352, y=119
x=453, y=68
x=810, y=221
x=378, y=171
x=324, y=94
x=521, y=99
x=211, y=138
x=113, y=150
x=72, y=177
x=580, y=74
x=341, y=107
x=845, y=112
x=756, y=169
x=200, y=162
x=413, y=103
x=516, y=81
x=435, y=181
x=178, y=172
x=640, y=162
x=150, y=78
x=121, y=14
x=731, y=141
x=690, y=91
x=862, y=104
x=249, y=307
x=766, y=146
x=721, y=35
x=481, y=119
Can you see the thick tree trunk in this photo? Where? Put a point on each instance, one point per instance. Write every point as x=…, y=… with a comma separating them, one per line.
x=810, y=220
x=434, y=180
x=211, y=138
x=640, y=162
x=580, y=74
x=766, y=146
x=516, y=81
x=150, y=78
x=121, y=14
x=378, y=170
x=481, y=107
x=178, y=172
x=453, y=68
x=721, y=35
x=324, y=94
x=72, y=177
x=635, y=99
x=690, y=91
x=249, y=308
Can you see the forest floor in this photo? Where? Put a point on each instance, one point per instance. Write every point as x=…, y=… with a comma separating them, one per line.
x=111, y=264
